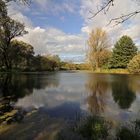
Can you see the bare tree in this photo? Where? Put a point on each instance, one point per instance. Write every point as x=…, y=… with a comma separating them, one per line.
x=98, y=45
x=106, y=4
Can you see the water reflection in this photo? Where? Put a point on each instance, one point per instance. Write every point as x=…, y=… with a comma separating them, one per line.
x=122, y=94
x=11, y=89
x=97, y=128
x=97, y=88
x=15, y=87
x=63, y=96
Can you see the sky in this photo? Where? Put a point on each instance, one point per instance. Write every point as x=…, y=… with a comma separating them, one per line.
x=62, y=27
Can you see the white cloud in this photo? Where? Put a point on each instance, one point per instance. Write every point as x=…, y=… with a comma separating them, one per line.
x=55, y=8
x=54, y=41
x=15, y=12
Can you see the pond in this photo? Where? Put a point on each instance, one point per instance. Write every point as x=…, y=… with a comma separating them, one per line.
x=39, y=106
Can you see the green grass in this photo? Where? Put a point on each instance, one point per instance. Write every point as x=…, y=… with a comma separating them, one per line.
x=107, y=71
x=113, y=71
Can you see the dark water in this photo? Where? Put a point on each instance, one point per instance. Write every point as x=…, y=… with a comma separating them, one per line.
x=37, y=106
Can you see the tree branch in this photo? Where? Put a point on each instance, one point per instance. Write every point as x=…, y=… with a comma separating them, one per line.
x=123, y=18
x=118, y=20
x=104, y=8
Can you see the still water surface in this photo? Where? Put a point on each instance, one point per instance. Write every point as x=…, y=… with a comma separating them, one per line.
x=40, y=104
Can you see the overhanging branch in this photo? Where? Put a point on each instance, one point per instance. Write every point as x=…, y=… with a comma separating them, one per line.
x=104, y=8
x=117, y=20
x=123, y=18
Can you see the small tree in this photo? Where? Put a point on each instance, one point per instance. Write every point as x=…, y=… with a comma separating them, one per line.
x=98, y=44
x=134, y=64
x=123, y=52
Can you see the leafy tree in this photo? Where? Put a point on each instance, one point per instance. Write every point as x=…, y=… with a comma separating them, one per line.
x=54, y=61
x=9, y=29
x=98, y=44
x=134, y=64
x=24, y=55
x=123, y=52
x=46, y=63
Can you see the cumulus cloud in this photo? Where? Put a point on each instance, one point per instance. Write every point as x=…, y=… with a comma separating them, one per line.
x=55, y=41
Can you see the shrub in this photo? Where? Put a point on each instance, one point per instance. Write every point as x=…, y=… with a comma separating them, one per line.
x=134, y=64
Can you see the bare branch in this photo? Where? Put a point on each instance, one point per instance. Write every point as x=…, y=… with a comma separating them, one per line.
x=123, y=18
x=104, y=8
x=118, y=20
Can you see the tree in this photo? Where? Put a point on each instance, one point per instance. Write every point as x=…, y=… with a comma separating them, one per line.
x=9, y=29
x=98, y=44
x=123, y=52
x=134, y=64
x=3, y=10
x=24, y=55
x=46, y=63
x=54, y=61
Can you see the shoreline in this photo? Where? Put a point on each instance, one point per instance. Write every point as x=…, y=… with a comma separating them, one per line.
x=102, y=71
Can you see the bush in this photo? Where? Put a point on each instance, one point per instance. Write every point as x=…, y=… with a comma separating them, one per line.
x=134, y=64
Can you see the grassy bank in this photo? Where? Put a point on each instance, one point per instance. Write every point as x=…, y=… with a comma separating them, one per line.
x=108, y=71
x=114, y=71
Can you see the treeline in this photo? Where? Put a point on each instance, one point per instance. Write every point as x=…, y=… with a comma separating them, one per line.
x=73, y=66
x=124, y=54
x=20, y=57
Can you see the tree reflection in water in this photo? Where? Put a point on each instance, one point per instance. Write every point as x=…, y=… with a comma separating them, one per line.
x=13, y=87
x=97, y=88
x=122, y=94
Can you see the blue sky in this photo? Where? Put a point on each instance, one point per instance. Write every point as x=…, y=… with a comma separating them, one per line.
x=62, y=26
x=68, y=21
